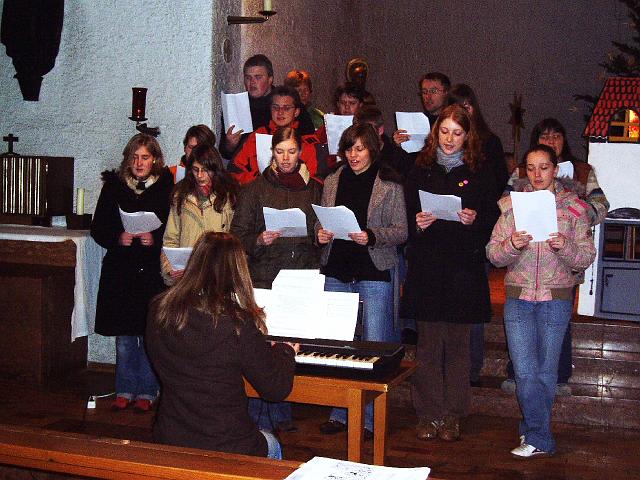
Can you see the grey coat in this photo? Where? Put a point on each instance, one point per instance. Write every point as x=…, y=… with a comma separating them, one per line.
x=386, y=218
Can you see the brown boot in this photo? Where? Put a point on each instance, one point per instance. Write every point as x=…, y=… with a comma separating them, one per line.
x=450, y=430
x=428, y=430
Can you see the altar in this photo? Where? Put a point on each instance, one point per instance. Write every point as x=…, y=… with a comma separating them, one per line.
x=48, y=290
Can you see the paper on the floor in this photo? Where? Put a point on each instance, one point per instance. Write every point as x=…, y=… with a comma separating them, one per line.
x=322, y=468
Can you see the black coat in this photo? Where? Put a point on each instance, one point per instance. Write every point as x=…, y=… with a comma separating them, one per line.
x=446, y=279
x=130, y=275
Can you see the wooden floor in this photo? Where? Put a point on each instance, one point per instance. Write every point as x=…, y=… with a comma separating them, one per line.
x=584, y=453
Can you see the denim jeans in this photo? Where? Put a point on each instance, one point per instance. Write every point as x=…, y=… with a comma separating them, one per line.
x=274, y=450
x=134, y=376
x=377, y=322
x=267, y=415
x=534, y=335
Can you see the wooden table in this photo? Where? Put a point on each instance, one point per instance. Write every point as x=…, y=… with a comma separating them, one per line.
x=352, y=395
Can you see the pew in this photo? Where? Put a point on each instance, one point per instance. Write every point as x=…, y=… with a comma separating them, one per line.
x=109, y=458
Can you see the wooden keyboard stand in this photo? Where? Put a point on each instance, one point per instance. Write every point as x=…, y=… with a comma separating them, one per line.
x=352, y=395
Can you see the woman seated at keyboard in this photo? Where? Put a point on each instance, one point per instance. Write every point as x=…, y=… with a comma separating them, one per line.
x=285, y=184
x=203, y=336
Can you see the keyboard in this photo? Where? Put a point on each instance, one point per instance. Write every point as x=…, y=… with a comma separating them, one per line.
x=330, y=356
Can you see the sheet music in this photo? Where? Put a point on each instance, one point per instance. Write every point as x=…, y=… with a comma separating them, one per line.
x=322, y=468
x=339, y=220
x=444, y=207
x=336, y=124
x=139, y=222
x=178, y=256
x=290, y=222
x=236, y=111
x=263, y=150
x=298, y=306
x=418, y=128
x=565, y=169
x=535, y=213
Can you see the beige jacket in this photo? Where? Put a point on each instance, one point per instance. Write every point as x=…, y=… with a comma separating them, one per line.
x=184, y=230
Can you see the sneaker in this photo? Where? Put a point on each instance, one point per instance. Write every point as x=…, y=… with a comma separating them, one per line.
x=428, y=430
x=120, y=403
x=508, y=386
x=525, y=451
x=450, y=429
x=563, y=390
x=332, y=427
x=143, y=405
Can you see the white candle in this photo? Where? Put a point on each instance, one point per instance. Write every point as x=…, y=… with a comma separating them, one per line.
x=80, y=201
x=266, y=6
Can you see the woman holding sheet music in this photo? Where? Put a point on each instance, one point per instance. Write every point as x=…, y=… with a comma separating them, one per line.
x=446, y=289
x=130, y=274
x=363, y=264
x=285, y=184
x=202, y=201
x=205, y=335
x=539, y=289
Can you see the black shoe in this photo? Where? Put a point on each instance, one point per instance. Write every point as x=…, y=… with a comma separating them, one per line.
x=332, y=427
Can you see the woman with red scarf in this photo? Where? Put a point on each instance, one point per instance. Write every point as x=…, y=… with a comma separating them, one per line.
x=286, y=183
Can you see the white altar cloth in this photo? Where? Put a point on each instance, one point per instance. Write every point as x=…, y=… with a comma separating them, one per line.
x=87, y=273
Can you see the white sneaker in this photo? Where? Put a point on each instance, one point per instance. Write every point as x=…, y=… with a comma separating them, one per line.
x=525, y=451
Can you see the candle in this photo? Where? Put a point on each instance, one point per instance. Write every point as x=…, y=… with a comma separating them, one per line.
x=138, y=103
x=266, y=6
x=80, y=201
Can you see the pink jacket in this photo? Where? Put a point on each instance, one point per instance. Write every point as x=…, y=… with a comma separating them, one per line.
x=537, y=272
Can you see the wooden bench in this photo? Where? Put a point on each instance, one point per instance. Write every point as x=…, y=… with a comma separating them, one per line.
x=98, y=457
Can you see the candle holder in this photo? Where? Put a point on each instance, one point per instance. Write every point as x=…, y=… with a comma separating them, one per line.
x=235, y=20
x=138, y=106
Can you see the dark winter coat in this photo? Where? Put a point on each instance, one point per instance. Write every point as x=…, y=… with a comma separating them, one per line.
x=201, y=369
x=446, y=279
x=130, y=275
x=285, y=252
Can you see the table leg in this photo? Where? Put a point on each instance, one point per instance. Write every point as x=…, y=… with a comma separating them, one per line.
x=355, y=425
x=379, y=428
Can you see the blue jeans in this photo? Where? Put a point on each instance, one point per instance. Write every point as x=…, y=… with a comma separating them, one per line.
x=377, y=322
x=534, y=335
x=273, y=446
x=134, y=375
x=267, y=415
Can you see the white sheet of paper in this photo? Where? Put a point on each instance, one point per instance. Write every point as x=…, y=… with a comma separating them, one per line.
x=336, y=124
x=339, y=220
x=139, y=222
x=417, y=126
x=263, y=150
x=236, y=111
x=178, y=256
x=298, y=306
x=180, y=171
x=291, y=222
x=535, y=213
x=565, y=169
x=322, y=468
x=444, y=207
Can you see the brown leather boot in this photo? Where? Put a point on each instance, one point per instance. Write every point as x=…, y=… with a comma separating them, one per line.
x=450, y=430
x=427, y=430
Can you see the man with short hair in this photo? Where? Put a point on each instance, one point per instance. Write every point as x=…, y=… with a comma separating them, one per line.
x=434, y=92
x=258, y=81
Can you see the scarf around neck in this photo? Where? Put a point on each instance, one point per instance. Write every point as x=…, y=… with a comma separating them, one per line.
x=449, y=161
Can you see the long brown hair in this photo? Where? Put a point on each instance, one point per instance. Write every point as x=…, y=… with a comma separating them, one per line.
x=472, y=147
x=224, y=186
x=134, y=143
x=216, y=281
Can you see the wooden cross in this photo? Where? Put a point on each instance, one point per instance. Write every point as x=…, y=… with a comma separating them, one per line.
x=11, y=139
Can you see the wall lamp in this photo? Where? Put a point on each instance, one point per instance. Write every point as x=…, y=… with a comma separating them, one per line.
x=266, y=13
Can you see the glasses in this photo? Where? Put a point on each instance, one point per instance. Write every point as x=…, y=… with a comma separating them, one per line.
x=432, y=91
x=282, y=108
x=548, y=137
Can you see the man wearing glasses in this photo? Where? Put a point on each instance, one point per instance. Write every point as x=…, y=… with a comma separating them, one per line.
x=285, y=109
x=434, y=91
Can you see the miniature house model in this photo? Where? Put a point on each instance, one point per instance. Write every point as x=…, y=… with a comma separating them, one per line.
x=612, y=284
